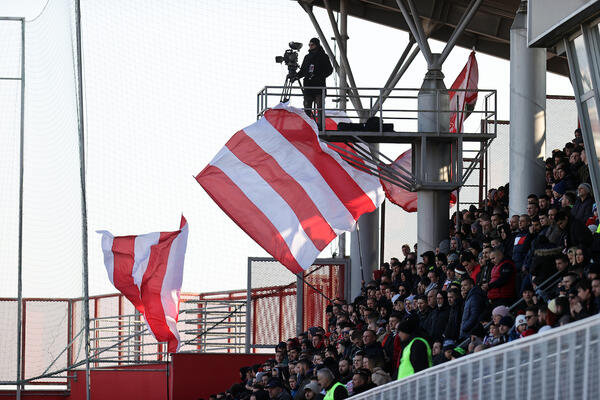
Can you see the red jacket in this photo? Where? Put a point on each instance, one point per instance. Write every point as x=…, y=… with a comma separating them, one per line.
x=475, y=272
x=502, y=281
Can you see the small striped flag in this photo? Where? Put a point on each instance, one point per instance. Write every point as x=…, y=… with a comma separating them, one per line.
x=148, y=270
x=287, y=190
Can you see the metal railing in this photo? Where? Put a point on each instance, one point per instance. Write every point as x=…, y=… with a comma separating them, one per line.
x=398, y=106
x=562, y=363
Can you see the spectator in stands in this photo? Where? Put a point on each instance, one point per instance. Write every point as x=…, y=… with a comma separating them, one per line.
x=333, y=390
x=357, y=361
x=452, y=330
x=276, y=390
x=372, y=347
x=582, y=209
x=596, y=291
x=416, y=353
x=345, y=370
x=378, y=375
x=303, y=371
x=585, y=294
x=469, y=263
x=501, y=289
x=575, y=231
x=361, y=381
x=521, y=242
x=475, y=306
x=312, y=391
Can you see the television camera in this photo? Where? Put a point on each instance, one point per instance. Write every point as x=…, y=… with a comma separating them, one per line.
x=290, y=58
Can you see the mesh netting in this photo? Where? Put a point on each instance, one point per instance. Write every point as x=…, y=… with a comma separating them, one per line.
x=561, y=121
x=273, y=299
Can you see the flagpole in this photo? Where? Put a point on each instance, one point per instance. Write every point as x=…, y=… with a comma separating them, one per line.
x=84, y=238
x=20, y=249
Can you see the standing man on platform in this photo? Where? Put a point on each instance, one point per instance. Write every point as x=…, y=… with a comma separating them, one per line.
x=315, y=69
x=334, y=390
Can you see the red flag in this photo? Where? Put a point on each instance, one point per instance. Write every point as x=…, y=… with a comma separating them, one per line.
x=148, y=270
x=402, y=197
x=461, y=100
x=287, y=190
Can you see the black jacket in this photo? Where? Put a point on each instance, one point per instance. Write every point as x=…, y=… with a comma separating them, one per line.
x=440, y=321
x=582, y=210
x=577, y=234
x=315, y=68
x=452, y=330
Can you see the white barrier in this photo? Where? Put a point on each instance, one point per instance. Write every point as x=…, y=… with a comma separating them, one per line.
x=563, y=363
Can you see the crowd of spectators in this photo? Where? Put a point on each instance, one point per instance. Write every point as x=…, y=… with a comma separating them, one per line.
x=496, y=279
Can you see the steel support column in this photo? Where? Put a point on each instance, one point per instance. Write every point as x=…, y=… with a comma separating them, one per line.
x=527, y=116
x=433, y=205
x=364, y=250
x=343, y=20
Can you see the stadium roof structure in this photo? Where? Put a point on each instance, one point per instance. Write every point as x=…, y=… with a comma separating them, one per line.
x=488, y=31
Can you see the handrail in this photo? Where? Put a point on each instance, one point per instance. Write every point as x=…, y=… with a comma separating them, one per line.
x=528, y=354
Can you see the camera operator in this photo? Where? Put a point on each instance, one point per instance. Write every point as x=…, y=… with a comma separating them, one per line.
x=315, y=68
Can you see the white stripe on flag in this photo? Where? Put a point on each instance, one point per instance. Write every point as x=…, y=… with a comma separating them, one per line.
x=171, y=287
x=303, y=171
x=109, y=258
x=368, y=183
x=270, y=204
x=143, y=246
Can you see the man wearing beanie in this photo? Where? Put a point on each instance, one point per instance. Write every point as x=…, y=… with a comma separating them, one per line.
x=416, y=352
x=582, y=209
x=315, y=68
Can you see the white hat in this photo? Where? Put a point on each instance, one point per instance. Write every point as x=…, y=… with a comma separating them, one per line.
x=521, y=319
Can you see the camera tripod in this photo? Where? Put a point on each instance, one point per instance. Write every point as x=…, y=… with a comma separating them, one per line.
x=287, y=86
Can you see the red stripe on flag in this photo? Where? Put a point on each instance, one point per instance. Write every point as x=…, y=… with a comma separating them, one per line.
x=123, y=249
x=311, y=219
x=246, y=215
x=152, y=286
x=297, y=131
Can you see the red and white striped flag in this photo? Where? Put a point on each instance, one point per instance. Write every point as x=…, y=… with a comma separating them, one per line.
x=287, y=190
x=148, y=270
x=463, y=101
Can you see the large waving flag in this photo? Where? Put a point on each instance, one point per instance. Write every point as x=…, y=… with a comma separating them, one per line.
x=287, y=190
x=148, y=270
x=464, y=101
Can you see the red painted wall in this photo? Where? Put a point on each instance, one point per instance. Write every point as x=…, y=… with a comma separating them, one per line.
x=197, y=375
x=191, y=376
x=133, y=382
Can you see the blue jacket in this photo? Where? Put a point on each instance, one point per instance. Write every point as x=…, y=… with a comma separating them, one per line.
x=475, y=306
x=521, y=245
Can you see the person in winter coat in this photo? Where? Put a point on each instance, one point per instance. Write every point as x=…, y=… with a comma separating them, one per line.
x=315, y=69
x=378, y=375
x=582, y=209
x=455, y=304
x=441, y=312
x=475, y=306
x=501, y=289
x=575, y=231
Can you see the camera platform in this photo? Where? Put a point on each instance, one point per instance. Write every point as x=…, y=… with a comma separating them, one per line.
x=392, y=116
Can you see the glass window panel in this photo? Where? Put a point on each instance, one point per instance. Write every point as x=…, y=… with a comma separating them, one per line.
x=583, y=64
x=592, y=110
